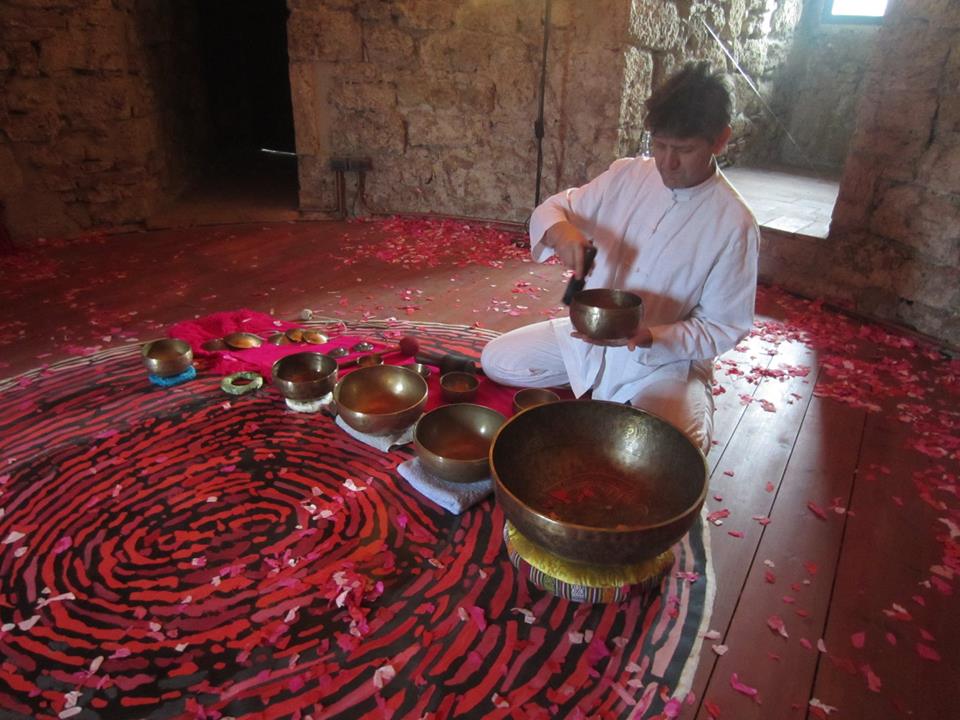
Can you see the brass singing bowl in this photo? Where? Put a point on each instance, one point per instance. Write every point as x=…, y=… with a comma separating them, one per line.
x=381, y=400
x=167, y=357
x=305, y=376
x=604, y=314
x=458, y=386
x=529, y=397
x=242, y=340
x=597, y=482
x=453, y=441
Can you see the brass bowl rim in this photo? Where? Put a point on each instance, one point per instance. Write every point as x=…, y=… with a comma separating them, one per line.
x=474, y=381
x=583, y=296
x=554, y=397
x=380, y=368
x=456, y=408
x=182, y=345
x=312, y=353
x=623, y=529
x=242, y=334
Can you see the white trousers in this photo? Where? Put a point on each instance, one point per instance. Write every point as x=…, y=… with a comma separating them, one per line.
x=530, y=357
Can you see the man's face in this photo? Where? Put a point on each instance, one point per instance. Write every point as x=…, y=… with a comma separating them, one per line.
x=685, y=162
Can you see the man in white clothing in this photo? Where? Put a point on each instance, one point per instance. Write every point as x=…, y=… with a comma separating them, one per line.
x=670, y=229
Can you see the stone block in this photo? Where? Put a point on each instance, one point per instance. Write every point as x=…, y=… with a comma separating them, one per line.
x=10, y=169
x=933, y=285
x=457, y=51
x=940, y=170
x=426, y=15
x=85, y=47
x=921, y=219
x=655, y=26
x=503, y=18
x=96, y=100
x=368, y=133
x=446, y=93
x=322, y=34
x=310, y=89
x=389, y=47
x=429, y=129
x=365, y=97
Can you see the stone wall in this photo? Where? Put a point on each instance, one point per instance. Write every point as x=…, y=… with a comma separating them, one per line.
x=813, y=92
x=894, y=247
x=442, y=94
x=96, y=105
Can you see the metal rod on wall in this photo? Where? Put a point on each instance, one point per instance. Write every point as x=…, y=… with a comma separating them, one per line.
x=538, y=126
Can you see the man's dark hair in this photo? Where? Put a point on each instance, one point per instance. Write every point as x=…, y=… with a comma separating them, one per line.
x=694, y=102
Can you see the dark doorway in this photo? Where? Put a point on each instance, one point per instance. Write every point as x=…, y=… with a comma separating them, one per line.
x=248, y=169
x=245, y=66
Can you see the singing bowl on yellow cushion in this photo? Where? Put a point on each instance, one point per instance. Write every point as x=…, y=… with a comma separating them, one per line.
x=453, y=441
x=597, y=482
x=305, y=376
x=381, y=399
x=605, y=314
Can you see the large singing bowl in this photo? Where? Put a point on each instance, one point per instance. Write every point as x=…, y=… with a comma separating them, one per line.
x=381, y=399
x=597, y=482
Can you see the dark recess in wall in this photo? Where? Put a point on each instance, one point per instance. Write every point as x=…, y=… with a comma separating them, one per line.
x=245, y=69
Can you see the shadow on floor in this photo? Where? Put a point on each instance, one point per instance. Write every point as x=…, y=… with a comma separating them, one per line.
x=254, y=186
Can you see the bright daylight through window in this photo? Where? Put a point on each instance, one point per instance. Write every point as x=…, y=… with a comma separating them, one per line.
x=856, y=8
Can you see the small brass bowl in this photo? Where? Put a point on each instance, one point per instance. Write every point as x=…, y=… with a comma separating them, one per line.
x=242, y=340
x=603, y=314
x=597, y=482
x=381, y=400
x=370, y=360
x=305, y=376
x=168, y=357
x=425, y=371
x=459, y=386
x=453, y=441
x=530, y=397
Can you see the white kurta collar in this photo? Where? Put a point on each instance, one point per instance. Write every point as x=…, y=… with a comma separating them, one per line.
x=684, y=194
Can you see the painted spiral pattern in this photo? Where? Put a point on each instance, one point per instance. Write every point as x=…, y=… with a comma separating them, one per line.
x=179, y=552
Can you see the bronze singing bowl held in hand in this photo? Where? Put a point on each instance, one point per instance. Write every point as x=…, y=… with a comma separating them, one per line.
x=305, y=376
x=453, y=441
x=603, y=314
x=597, y=482
x=167, y=358
x=381, y=400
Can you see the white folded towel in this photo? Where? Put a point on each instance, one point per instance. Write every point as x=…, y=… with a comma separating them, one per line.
x=451, y=496
x=380, y=442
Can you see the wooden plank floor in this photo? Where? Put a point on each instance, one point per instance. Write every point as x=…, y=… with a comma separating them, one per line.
x=835, y=568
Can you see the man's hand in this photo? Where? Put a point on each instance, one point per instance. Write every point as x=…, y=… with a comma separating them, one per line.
x=641, y=338
x=568, y=243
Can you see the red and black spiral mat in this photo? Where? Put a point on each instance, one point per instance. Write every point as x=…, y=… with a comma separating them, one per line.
x=182, y=553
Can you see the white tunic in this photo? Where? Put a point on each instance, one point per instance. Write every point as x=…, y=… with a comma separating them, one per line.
x=690, y=253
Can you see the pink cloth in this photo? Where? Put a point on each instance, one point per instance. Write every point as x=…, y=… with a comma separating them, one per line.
x=259, y=359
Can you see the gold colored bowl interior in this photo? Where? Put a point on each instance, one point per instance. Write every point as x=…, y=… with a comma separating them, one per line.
x=605, y=314
x=305, y=375
x=530, y=397
x=458, y=386
x=597, y=466
x=381, y=390
x=453, y=441
x=242, y=340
